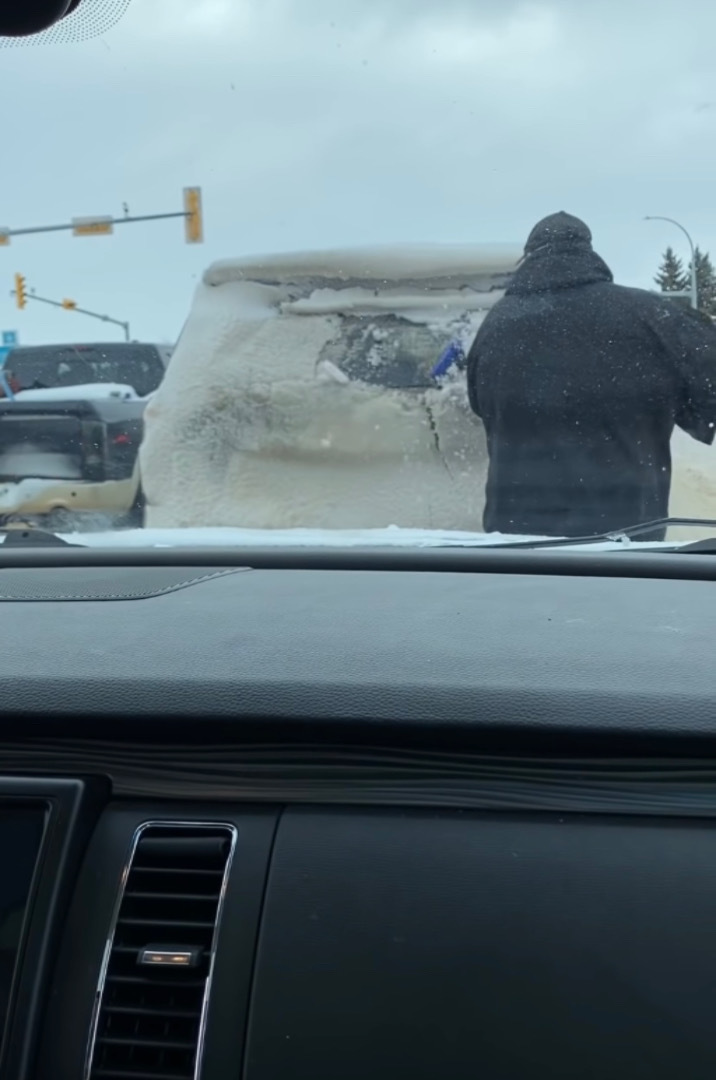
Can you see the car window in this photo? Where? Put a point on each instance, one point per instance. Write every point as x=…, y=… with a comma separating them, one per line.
x=135, y=366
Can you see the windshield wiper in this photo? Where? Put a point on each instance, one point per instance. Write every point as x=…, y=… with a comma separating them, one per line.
x=629, y=532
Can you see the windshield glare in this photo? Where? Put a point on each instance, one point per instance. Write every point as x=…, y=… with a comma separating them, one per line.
x=360, y=272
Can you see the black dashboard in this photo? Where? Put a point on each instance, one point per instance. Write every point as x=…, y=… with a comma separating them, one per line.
x=357, y=814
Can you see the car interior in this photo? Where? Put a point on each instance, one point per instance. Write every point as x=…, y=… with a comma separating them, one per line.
x=355, y=813
x=339, y=829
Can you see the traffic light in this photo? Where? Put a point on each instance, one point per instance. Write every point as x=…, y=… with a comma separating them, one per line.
x=193, y=221
x=20, y=294
x=69, y=305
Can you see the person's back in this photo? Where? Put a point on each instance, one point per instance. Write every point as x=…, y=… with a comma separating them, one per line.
x=579, y=383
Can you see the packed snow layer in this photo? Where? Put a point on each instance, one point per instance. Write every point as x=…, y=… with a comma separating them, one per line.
x=248, y=430
x=407, y=262
x=407, y=303
x=83, y=392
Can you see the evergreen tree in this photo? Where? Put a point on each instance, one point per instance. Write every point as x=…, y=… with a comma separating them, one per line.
x=671, y=276
x=706, y=282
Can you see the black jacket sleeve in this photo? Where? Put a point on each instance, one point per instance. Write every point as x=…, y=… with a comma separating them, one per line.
x=689, y=340
x=473, y=360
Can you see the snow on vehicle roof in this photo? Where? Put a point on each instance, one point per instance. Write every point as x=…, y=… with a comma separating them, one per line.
x=408, y=262
x=81, y=391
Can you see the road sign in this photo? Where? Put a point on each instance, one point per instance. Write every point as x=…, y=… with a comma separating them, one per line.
x=9, y=338
x=92, y=226
x=193, y=222
x=4, y=236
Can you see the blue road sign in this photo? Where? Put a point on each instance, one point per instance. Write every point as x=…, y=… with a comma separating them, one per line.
x=9, y=338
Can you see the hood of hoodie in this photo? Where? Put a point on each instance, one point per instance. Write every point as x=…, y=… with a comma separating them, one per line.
x=558, y=255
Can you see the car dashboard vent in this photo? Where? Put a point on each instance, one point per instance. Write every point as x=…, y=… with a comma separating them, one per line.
x=154, y=987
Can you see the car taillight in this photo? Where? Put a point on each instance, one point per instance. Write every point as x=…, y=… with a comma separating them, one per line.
x=121, y=440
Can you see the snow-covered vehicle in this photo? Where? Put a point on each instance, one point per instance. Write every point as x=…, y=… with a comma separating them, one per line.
x=69, y=438
x=302, y=393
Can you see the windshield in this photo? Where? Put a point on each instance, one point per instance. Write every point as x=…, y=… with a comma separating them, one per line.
x=138, y=366
x=360, y=271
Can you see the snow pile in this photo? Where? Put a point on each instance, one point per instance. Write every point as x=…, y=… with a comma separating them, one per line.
x=250, y=430
x=83, y=392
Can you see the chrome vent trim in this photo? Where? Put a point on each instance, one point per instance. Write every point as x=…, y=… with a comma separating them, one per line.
x=189, y=826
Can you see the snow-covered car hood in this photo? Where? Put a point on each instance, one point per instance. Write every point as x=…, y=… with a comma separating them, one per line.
x=327, y=538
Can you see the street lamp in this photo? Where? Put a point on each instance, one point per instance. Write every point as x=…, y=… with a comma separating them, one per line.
x=694, y=292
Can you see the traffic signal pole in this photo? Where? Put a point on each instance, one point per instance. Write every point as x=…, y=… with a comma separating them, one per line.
x=22, y=296
x=89, y=226
x=104, y=226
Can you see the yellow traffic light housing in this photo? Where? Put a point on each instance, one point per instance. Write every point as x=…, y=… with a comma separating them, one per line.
x=20, y=294
x=193, y=220
x=69, y=305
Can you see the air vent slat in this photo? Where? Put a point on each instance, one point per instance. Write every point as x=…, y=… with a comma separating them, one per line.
x=186, y=923
x=149, y=1044
x=155, y=986
x=160, y=1013
x=134, y=980
x=198, y=873
x=198, y=898
x=133, y=1074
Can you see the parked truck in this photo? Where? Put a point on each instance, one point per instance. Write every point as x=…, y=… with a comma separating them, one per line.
x=71, y=423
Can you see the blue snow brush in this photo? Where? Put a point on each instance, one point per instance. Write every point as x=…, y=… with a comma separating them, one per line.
x=453, y=354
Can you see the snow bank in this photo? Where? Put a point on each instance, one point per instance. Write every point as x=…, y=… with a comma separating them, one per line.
x=83, y=392
x=249, y=429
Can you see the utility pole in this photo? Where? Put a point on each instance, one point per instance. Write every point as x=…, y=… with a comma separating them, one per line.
x=693, y=292
x=22, y=296
x=104, y=225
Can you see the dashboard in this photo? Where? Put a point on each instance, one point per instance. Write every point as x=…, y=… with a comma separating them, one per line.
x=357, y=815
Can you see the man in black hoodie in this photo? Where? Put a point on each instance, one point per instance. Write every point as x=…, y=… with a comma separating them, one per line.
x=579, y=383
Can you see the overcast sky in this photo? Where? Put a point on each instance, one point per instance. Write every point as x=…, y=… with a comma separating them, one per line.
x=327, y=123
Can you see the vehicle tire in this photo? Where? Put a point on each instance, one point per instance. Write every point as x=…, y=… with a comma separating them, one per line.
x=134, y=518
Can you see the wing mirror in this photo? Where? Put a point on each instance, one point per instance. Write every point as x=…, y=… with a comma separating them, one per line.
x=22, y=18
